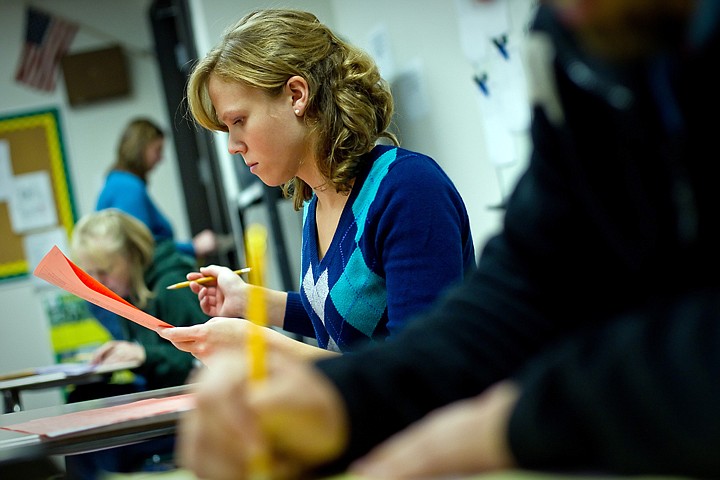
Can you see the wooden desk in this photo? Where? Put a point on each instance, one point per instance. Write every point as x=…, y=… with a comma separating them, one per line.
x=16, y=444
x=35, y=379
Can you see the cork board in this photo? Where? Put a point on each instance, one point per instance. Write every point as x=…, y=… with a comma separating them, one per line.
x=34, y=143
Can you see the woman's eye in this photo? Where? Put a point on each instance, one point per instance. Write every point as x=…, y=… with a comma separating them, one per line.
x=240, y=121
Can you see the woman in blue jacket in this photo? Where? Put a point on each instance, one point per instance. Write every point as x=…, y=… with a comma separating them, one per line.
x=140, y=149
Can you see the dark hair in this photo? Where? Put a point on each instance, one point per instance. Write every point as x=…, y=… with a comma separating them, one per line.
x=138, y=134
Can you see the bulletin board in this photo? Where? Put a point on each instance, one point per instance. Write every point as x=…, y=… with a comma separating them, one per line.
x=32, y=150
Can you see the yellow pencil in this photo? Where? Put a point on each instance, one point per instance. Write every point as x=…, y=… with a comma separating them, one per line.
x=256, y=240
x=203, y=280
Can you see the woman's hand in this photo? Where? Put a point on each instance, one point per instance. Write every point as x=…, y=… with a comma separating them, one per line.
x=294, y=418
x=206, y=339
x=205, y=243
x=119, y=352
x=225, y=297
x=220, y=333
x=468, y=436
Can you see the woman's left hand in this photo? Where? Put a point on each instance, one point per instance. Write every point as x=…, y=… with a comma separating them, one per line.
x=223, y=333
x=206, y=339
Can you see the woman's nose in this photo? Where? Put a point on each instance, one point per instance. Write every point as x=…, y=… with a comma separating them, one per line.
x=236, y=146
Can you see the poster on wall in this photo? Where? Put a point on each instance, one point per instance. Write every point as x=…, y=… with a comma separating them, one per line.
x=35, y=191
x=74, y=331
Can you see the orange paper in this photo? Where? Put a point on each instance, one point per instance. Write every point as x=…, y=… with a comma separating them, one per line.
x=57, y=269
x=76, y=422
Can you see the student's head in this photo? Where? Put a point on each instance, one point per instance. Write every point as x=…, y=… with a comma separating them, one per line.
x=623, y=29
x=290, y=92
x=140, y=147
x=115, y=249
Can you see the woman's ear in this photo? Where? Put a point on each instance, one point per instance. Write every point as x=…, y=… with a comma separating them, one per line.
x=298, y=90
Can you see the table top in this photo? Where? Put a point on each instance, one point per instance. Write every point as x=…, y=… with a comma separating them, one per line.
x=48, y=377
x=14, y=444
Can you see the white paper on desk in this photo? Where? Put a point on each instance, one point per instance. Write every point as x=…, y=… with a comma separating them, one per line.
x=6, y=173
x=57, y=269
x=32, y=205
x=81, y=368
x=68, y=368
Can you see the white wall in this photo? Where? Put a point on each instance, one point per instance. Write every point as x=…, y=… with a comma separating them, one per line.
x=90, y=135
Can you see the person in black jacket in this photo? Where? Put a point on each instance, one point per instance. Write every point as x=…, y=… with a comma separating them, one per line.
x=589, y=337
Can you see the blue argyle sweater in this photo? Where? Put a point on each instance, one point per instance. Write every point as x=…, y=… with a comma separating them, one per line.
x=403, y=237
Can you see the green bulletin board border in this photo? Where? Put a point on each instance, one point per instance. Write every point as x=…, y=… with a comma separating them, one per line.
x=49, y=120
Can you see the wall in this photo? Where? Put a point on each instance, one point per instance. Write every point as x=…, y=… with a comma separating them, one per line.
x=90, y=134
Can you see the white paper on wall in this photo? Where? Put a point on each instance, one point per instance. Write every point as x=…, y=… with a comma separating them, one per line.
x=36, y=245
x=32, y=205
x=479, y=22
x=511, y=87
x=498, y=139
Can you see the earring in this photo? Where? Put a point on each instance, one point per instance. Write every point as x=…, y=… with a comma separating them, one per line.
x=297, y=111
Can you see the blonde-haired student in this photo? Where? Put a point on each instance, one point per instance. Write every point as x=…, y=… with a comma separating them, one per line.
x=385, y=230
x=119, y=251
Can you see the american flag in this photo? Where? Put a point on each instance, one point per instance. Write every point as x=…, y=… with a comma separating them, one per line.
x=47, y=38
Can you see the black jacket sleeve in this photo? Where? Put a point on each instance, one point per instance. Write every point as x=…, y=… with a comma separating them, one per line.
x=637, y=395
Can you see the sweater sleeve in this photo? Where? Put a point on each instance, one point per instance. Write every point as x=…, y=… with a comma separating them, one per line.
x=423, y=237
x=296, y=318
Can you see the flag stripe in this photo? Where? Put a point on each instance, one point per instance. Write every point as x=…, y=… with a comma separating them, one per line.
x=47, y=39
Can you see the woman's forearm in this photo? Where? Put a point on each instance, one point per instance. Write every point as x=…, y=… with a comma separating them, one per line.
x=276, y=302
